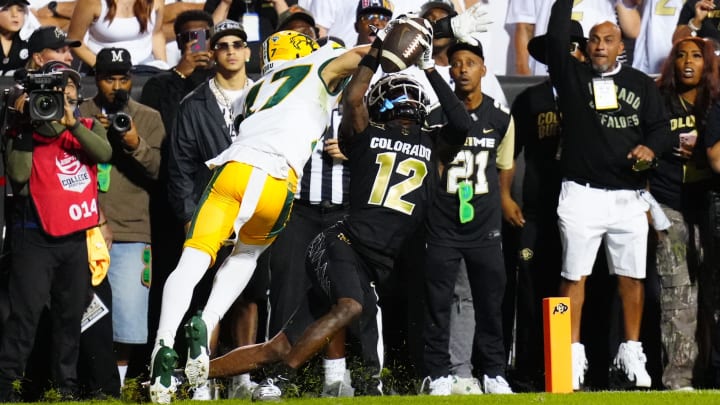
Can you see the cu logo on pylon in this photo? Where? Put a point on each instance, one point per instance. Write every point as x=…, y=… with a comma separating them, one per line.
x=560, y=309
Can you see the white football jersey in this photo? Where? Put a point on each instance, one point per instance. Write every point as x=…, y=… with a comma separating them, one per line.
x=659, y=19
x=285, y=114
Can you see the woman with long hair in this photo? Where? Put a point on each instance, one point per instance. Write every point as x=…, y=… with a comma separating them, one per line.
x=135, y=25
x=688, y=84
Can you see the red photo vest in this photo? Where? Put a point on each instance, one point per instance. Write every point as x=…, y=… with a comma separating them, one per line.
x=63, y=183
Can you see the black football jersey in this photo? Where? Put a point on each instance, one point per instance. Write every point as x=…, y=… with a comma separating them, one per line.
x=537, y=133
x=476, y=164
x=390, y=186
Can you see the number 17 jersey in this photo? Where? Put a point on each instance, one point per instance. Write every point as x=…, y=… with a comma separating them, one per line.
x=284, y=115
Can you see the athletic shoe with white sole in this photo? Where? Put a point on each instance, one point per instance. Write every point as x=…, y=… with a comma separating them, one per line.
x=197, y=366
x=441, y=386
x=465, y=386
x=267, y=391
x=579, y=366
x=203, y=392
x=162, y=382
x=496, y=385
x=631, y=360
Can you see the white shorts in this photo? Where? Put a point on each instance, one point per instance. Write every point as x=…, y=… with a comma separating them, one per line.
x=588, y=215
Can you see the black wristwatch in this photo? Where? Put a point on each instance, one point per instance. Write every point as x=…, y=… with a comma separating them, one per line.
x=52, y=6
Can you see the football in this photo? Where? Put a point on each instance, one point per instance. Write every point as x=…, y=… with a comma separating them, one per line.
x=403, y=45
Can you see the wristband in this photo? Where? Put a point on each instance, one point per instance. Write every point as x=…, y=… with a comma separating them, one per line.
x=369, y=61
x=101, y=224
x=692, y=26
x=177, y=72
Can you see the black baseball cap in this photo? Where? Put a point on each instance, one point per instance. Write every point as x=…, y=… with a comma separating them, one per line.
x=464, y=46
x=537, y=47
x=49, y=37
x=225, y=28
x=374, y=6
x=441, y=4
x=113, y=61
x=294, y=13
x=8, y=3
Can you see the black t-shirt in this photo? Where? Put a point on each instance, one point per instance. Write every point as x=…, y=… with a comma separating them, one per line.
x=596, y=143
x=710, y=25
x=537, y=133
x=16, y=58
x=678, y=182
x=475, y=163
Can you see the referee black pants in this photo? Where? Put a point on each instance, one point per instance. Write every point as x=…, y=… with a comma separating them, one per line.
x=288, y=278
x=486, y=273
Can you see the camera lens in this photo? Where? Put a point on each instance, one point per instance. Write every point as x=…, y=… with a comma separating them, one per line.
x=45, y=105
x=121, y=122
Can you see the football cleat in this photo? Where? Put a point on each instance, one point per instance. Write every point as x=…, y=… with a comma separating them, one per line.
x=162, y=382
x=197, y=366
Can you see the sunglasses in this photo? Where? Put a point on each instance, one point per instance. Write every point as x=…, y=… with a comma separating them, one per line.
x=465, y=194
x=374, y=17
x=574, y=46
x=224, y=46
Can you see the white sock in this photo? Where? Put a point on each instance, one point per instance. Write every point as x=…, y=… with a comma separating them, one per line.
x=242, y=380
x=122, y=370
x=178, y=291
x=334, y=370
x=230, y=280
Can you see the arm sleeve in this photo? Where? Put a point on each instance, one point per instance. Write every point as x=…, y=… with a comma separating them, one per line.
x=152, y=134
x=558, y=41
x=656, y=121
x=504, y=160
x=458, y=119
x=94, y=141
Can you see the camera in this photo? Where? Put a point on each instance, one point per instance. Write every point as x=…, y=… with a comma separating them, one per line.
x=46, y=97
x=120, y=122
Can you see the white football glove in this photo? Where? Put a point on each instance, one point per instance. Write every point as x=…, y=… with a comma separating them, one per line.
x=426, y=60
x=474, y=19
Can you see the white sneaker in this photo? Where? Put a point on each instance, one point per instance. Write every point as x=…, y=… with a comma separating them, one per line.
x=579, y=366
x=267, y=391
x=631, y=359
x=203, y=392
x=441, y=386
x=497, y=385
x=465, y=386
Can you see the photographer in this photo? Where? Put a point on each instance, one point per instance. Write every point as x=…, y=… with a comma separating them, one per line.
x=52, y=170
x=136, y=133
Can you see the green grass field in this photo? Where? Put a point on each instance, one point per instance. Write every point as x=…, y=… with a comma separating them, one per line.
x=580, y=398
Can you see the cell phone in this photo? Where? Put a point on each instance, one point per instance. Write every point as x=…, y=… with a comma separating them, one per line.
x=201, y=44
